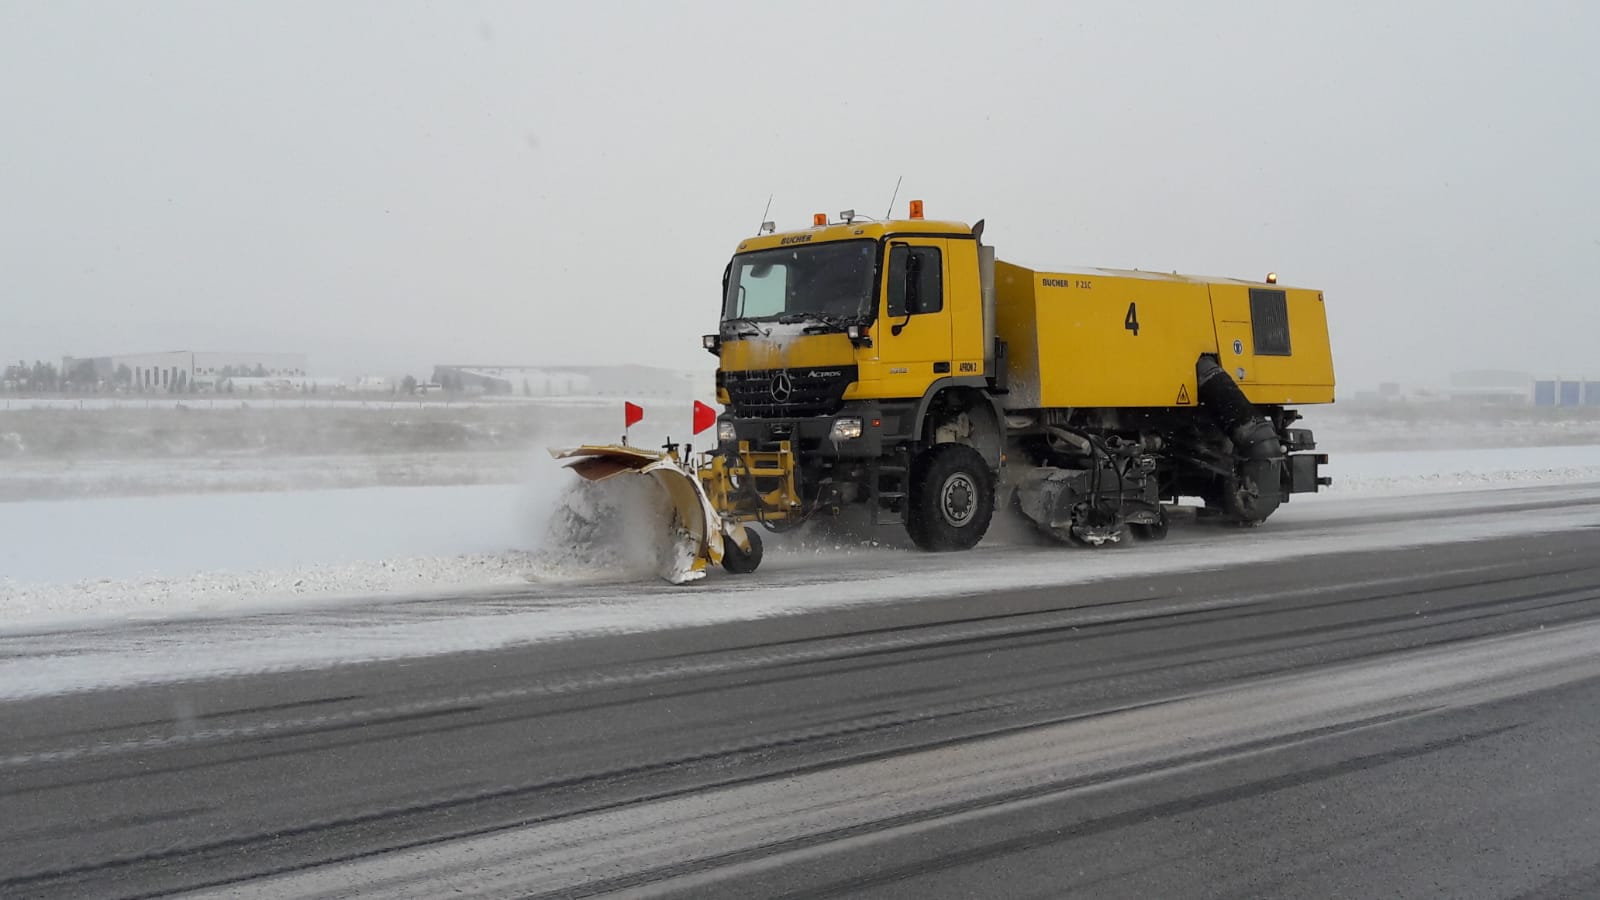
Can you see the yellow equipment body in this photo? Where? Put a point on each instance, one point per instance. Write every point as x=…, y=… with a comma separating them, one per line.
x=899, y=365
x=1114, y=338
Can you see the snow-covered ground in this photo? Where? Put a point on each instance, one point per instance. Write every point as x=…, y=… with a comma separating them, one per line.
x=35, y=478
x=1369, y=472
x=288, y=401
x=70, y=562
x=1345, y=429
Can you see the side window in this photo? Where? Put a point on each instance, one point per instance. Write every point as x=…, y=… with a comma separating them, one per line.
x=1269, y=322
x=763, y=290
x=930, y=279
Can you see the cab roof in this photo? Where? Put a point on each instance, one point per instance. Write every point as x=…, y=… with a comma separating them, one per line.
x=857, y=230
x=1147, y=275
x=860, y=229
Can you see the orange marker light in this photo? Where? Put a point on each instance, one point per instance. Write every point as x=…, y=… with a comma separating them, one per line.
x=819, y=219
x=916, y=209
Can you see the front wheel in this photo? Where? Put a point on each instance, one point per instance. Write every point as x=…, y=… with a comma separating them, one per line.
x=1151, y=532
x=738, y=562
x=952, y=499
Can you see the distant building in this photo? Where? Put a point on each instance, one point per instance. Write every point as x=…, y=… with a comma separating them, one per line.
x=1566, y=392
x=1491, y=387
x=375, y=384
x=177, y=371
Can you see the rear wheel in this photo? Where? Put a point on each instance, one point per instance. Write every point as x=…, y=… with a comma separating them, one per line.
x=738, y=562
x=1253, y=493
x=952, y=499
x=1153, y=532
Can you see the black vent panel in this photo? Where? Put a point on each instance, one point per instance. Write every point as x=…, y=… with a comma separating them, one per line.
x=1269, y=322
x=787, y=393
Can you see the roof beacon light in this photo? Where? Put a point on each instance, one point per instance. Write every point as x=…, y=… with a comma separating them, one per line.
x=819, y=219
x=916, y=209
x=1272, y=278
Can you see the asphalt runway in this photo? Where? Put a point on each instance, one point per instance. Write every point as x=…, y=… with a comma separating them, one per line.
x=1417, y=722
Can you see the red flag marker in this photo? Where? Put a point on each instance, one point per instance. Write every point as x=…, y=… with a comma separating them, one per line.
x=631, y=414
x=704, y=417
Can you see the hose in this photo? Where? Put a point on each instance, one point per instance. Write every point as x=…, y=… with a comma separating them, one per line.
x=1220, y=394
x=1255, y=440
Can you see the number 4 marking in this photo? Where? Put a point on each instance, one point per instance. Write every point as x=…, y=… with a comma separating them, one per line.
x=1132, y=321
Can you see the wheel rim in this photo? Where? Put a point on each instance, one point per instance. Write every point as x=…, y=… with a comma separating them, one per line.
x=1247, y=494
x=958, y=499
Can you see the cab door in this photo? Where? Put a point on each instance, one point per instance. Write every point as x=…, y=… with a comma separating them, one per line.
x=913, y=332
x=1236, y=350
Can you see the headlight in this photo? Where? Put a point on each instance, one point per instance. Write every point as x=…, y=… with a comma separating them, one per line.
x=726, y=433
x=845, y=429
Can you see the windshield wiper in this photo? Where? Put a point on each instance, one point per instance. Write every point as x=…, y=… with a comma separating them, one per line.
x=834, y=323
x=737, y=324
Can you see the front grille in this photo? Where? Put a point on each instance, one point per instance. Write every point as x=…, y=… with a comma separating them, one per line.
x=787, y=393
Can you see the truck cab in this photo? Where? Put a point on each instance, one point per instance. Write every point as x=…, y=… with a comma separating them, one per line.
x=852, y=321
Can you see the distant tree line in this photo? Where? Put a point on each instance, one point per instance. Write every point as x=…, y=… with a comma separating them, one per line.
x=41, y=377
x=259, y=371
x=83, y=378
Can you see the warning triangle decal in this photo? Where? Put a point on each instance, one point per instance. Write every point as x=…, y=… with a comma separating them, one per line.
x=1183, y=395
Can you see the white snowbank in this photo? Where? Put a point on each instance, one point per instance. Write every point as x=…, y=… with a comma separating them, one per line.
x=1403, y=472
x=34, y=478
x=166, y=537
x=66, y=562
x=242, y=400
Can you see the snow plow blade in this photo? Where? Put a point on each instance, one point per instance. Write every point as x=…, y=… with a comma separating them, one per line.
x=700, y=536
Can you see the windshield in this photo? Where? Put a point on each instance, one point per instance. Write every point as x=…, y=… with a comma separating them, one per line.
x=827, y=281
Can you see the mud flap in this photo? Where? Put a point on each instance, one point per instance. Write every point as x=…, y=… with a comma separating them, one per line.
x=698, y=532
x=1302, y=474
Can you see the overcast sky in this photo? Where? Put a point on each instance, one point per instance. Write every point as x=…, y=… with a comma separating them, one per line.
x=387, y=185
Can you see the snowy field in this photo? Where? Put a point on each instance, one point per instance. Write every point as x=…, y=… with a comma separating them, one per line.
x=296, y=401
x=57, y=479
x=54, y=454
x=1364, y=473
x=1340, y=429
x=71, y=562
x=120, y=525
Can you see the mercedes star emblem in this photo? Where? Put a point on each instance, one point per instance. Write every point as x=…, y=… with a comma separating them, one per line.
x=782, y=387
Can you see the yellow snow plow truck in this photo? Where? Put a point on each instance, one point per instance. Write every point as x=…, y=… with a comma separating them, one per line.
x=898, y=364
